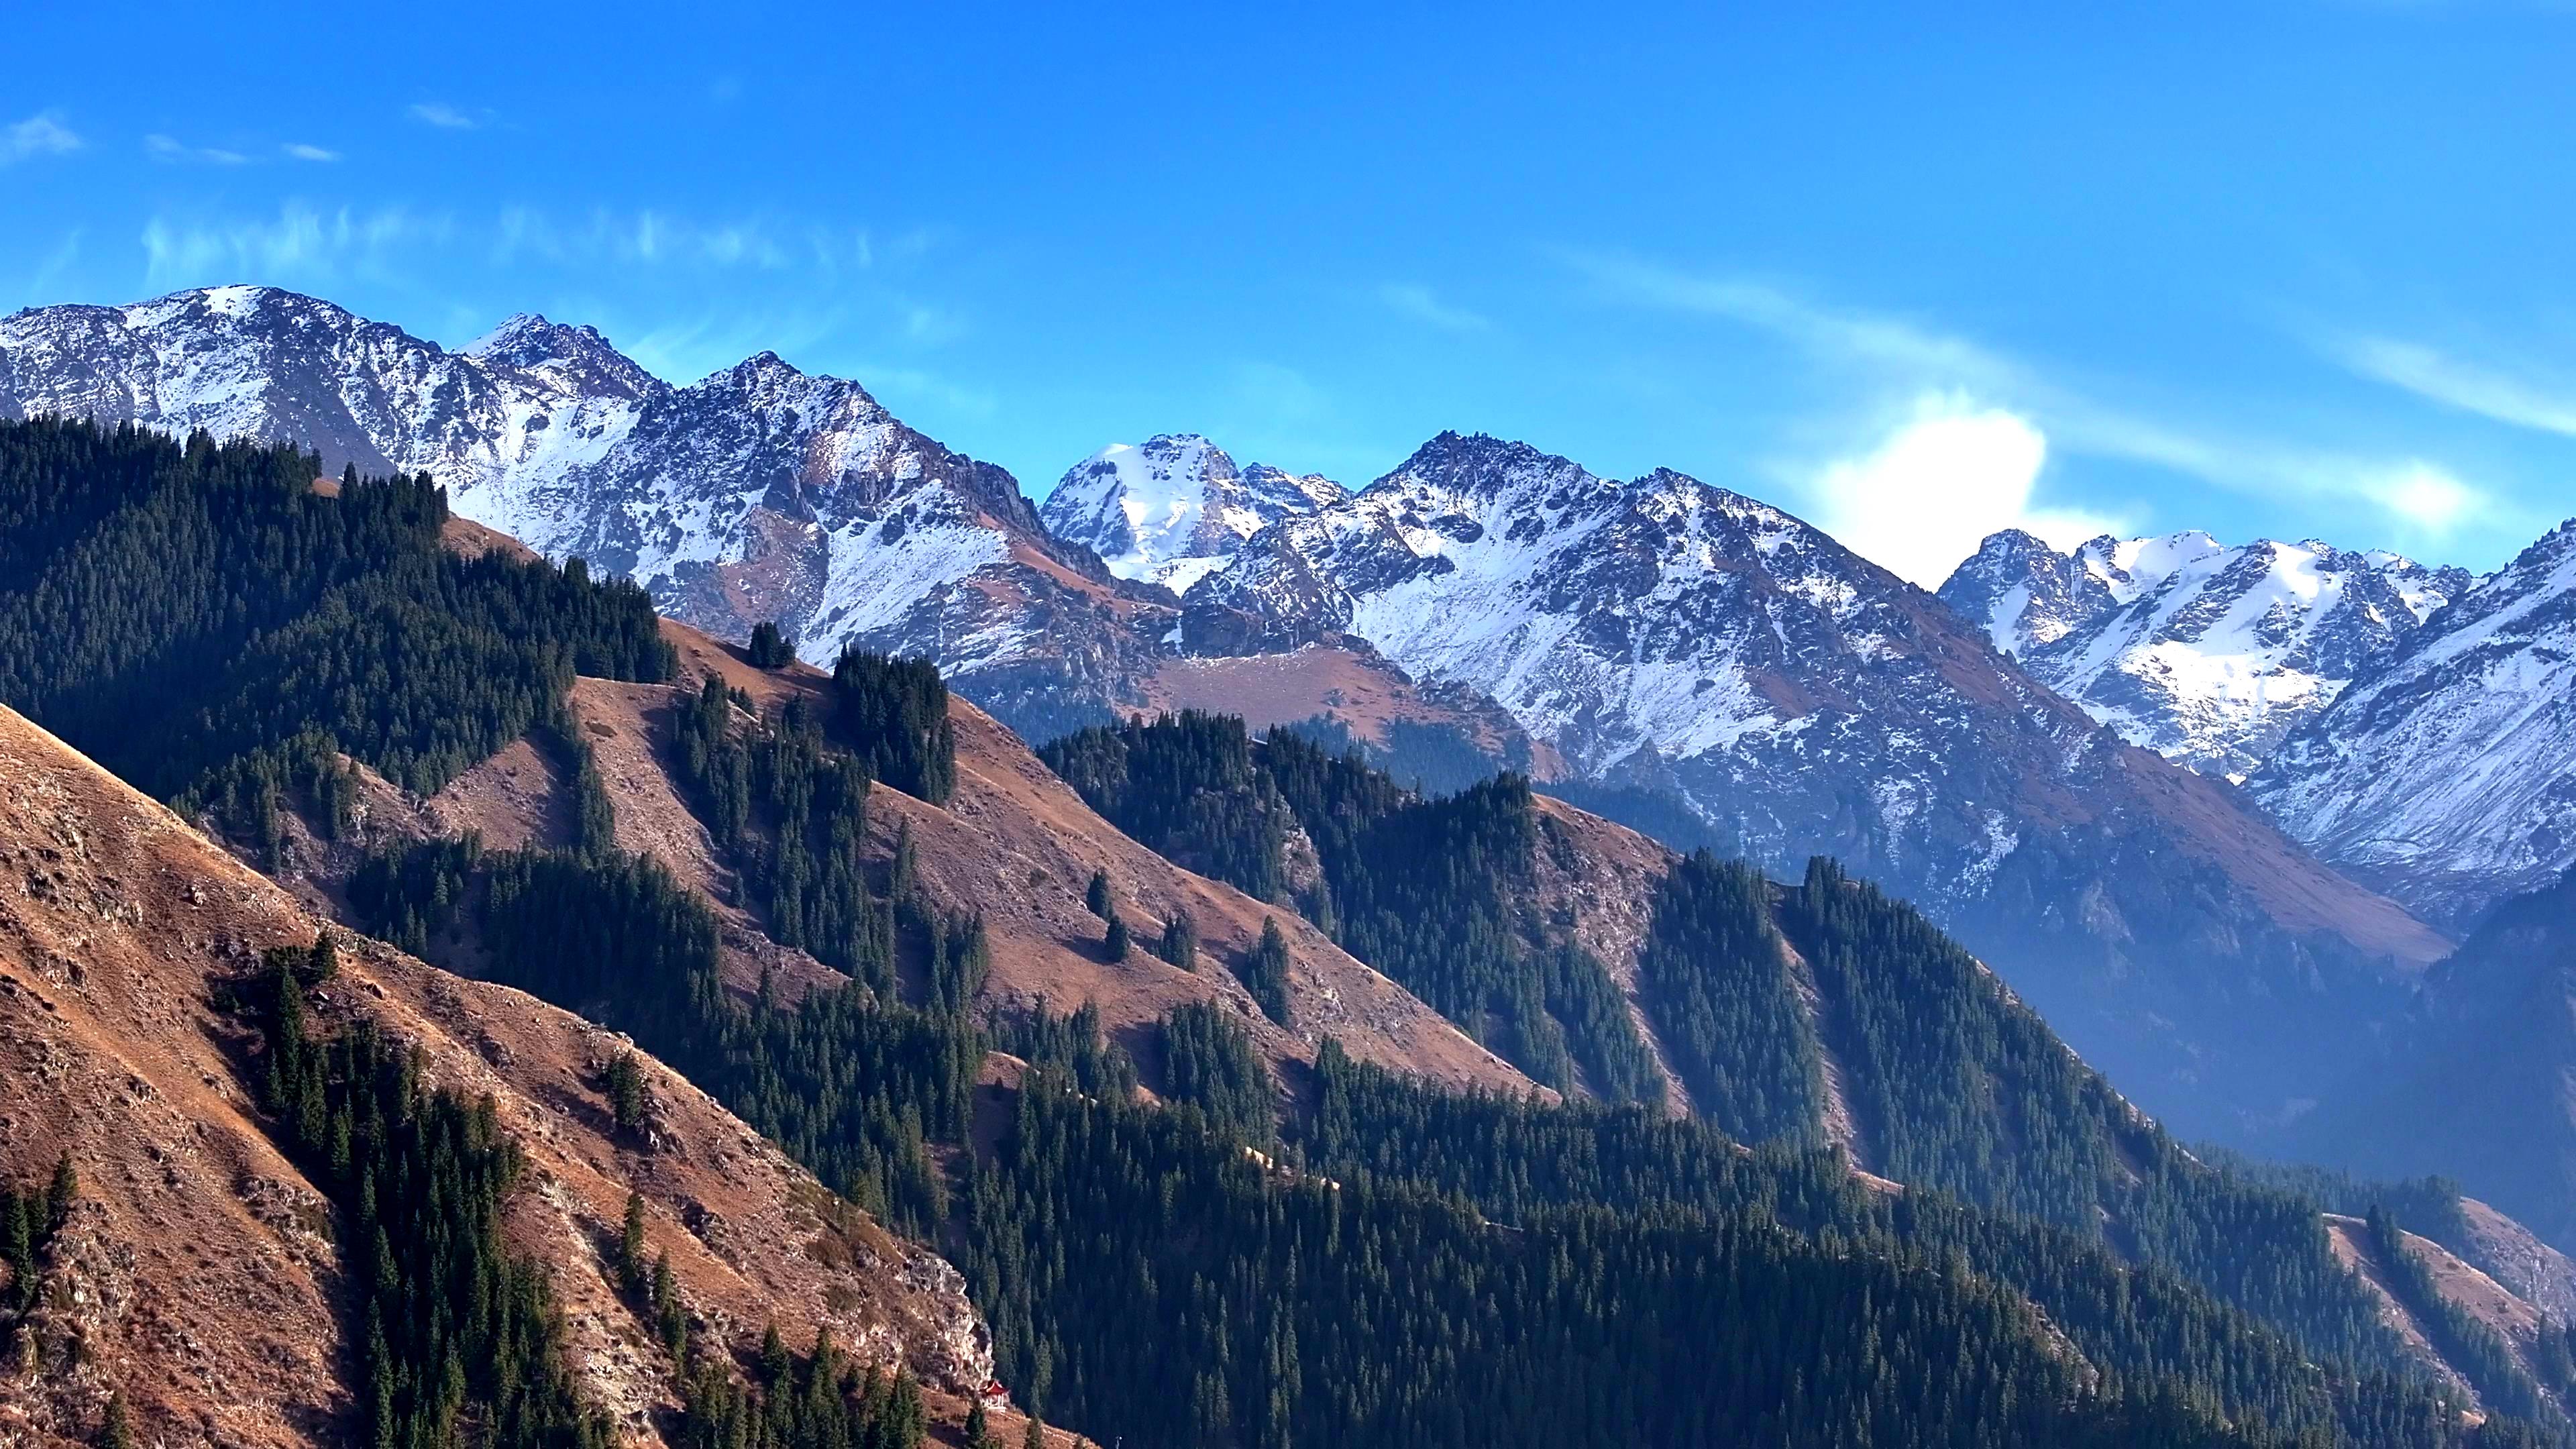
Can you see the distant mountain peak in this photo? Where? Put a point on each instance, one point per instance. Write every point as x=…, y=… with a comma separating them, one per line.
x=1174, y=508
x=2446, y=772
x=2207, y=653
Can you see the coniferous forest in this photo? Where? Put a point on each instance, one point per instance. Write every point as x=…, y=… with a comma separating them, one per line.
x=1338, y=1256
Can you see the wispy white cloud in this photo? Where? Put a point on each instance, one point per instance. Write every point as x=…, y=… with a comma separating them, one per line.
x=305, y=151
x=166, y=148
x=445, y=116
x=1905, y=358
x=302, y=243
x=656, y=238
x=1419, y=304
x=42, y=134
x=2549, y=406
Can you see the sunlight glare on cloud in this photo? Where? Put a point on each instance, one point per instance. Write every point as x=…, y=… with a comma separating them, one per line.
x=1930, y=492
x=2427, y=497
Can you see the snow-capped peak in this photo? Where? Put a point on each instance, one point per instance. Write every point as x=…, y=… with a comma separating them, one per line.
x=2443, y=774
x=2205, y=652
x=1174, y=508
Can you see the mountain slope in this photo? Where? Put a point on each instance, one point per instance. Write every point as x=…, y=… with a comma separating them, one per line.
x=1669, y=636
x=2443, y=776
x=2206, y=654
x=198, y=1274
x=758, y=492
x=2482, y=1085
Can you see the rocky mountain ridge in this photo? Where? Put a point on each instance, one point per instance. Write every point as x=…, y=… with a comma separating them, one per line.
x=2204, y=653
x=2446, y=775
x=758, y=492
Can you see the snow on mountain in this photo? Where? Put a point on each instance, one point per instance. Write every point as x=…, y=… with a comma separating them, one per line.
x=759, y=492
x=2446, y=775
x=1665, y=634
x=2204, y=653
x=1173, y=508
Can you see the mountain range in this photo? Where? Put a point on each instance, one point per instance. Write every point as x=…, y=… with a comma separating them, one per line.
x=2035, y=756
x=525, y=983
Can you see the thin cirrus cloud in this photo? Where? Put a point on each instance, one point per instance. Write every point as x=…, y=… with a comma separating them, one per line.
x=1418, y=303
x=306, y=151
x=42, y=134
x=309, y=240
x=166, y=148
x=303, y=243
x=655, y=238
x=1900, y=357
x=2468, y=386
x=445, y=116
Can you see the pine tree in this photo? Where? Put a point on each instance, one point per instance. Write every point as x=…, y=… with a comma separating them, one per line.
x=18, y=1243
x=1035, y=1438
x=774, y=1362
x=1096, y=895
x=1180, y=943
x=979, y=1428
x=626, y=1091
x=1264, y=972
x=769, y=647
x=324, y=963
x=118, y=1433
x=1115, y=939
x=630, y=1248
x=58, y=1197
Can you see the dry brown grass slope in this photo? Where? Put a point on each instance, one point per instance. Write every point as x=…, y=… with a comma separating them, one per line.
x=1018, y=845
x=197, y=1274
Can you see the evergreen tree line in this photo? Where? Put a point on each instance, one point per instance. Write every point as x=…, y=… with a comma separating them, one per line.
x=855, y=1085
x=462, y=1342
x=2482, y=1356
x=1072, y=1044
x=893, y=714
x=823, y=1401
x=175, y=609
x=1956, y=1088
x=457, y=1339
x=29, y=1218
x=1134, y=1272
x=792, y=817
x=1209, y=1065
x=2143, y=1324
x=1435, y=892
x=1142, y=1273
x=1717, y=986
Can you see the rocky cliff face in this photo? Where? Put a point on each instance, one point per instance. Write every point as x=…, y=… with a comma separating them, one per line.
x=2206, y=654
x=2446, y=774
x=759, y=492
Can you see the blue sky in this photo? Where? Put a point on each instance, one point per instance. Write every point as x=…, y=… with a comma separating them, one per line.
x=2265, y=268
